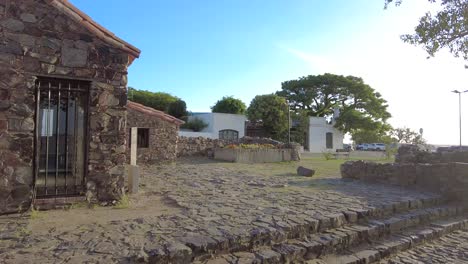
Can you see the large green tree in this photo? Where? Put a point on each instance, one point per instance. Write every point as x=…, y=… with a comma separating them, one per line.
x=448, y=28
x=229, y=105
x=272, y=112
x=157, y=100
x=360, y=106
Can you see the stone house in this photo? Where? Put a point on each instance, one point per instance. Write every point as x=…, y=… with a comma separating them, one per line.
x=62, y=104
x=157, y=133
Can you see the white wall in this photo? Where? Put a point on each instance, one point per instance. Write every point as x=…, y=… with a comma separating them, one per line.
x=318, y=128
x=183, y=133
x=229, y=121
x=218, y=121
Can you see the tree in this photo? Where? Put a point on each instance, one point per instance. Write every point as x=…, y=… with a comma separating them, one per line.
x=408, y=136
x=229, y=105
x=272, y=111
x=368, y=136
x=196, y=124
x=360, y=106
x=178, y=109
x=157, y=100
x=446, y=29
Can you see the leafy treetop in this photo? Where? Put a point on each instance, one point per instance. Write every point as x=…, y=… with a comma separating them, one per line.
x=229, y=105
x=156, y=100
x=446, y=29
x=360, y=106
x=272, y=111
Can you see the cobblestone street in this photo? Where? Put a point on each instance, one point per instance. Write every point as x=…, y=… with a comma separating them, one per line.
x=452, y=248
x=203, y=204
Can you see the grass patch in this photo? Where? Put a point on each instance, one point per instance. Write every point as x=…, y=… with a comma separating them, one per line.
x=35, y=214
x=323, y=168
x=123, y=203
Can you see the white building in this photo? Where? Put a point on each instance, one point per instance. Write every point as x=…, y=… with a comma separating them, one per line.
x=220, y=126
x=323, y=136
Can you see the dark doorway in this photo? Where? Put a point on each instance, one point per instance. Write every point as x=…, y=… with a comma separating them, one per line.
x=329, y=140
x=61, y=137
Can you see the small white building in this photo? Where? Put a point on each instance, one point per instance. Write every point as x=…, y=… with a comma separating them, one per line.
x=323, y=136
x=220, y=126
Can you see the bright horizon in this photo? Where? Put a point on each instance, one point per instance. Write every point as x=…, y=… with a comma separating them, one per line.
x=201, y=51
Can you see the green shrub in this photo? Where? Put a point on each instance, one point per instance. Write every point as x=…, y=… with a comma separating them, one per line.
x=195, y=124
x=327, y=155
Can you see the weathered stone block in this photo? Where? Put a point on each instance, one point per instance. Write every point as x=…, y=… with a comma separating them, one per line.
x=13, y=24
x=72, y=57
x=302, y=171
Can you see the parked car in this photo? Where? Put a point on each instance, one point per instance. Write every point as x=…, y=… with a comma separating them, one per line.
x=379, y=146
x=363, y=146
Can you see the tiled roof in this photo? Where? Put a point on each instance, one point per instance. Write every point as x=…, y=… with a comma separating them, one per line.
x=153, y=112
x=74, y=13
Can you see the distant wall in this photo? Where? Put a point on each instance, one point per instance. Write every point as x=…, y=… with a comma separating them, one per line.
x=412, y=154
x=190, y=146
x=449, y=179
x=192, y=134
x=253, y=155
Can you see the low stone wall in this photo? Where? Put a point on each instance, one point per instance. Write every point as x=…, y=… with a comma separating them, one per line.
x=413, y=154
x=190, y=146
x=253, y=155
x=449, y=179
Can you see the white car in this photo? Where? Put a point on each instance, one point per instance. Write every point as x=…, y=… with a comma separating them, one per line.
x=378, y=146
x=363, y=146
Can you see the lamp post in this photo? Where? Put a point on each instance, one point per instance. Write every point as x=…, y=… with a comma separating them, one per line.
x=460, y=113
x=289, y=121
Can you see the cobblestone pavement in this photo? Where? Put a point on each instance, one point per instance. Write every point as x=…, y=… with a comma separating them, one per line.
x=214, y=203
x=452, y=248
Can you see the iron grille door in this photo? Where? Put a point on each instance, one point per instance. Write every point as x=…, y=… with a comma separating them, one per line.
x=61, y=137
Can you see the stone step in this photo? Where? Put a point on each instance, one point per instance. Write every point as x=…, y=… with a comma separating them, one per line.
x=398, y=242
x=269, y=231
x=341, y=239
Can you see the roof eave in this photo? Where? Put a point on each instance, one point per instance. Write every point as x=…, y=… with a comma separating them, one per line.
x=73, y=12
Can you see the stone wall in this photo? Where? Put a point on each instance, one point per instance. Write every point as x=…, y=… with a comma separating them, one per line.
x=253, y=155
x=190, y=146
x=40, y=40
x=450, y=179
x=413, y=154
x=162, y=137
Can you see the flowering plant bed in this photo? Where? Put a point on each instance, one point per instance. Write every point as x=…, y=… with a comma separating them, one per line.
x=252, y=155
x=250, y=146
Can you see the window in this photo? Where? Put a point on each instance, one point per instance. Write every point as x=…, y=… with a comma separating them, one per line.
x=329, y=139
x=143, y=138
x=228, y=134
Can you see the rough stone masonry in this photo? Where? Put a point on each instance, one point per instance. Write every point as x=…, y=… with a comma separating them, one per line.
x=42, y=38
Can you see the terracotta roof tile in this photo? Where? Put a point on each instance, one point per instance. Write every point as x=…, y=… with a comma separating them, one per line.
x=74, y=13
x=153, y=112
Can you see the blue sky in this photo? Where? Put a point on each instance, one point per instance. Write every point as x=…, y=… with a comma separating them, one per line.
x=203, y=50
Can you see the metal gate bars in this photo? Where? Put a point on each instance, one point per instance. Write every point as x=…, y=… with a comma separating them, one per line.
x=61, y=137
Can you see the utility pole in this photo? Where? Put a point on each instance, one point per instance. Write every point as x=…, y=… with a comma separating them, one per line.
x=289, y=122
x=460, y=113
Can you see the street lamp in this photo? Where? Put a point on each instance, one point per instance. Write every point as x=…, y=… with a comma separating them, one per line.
x=460, y=112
